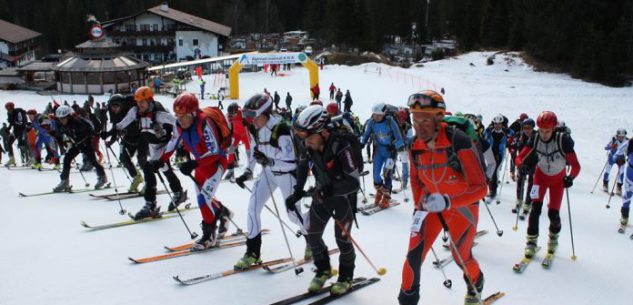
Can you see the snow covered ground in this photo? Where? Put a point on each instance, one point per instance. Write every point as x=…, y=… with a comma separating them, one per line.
x=46, y=257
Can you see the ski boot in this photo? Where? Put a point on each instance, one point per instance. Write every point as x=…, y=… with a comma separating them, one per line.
x=319, y=280
x=378, y=196
x=517, y=207
x=101, y=182
x=624, y=221
x=37, y=166
x=149, y=210
x=177, y=199
x=251, y=257
x=526, y=211
x=63, y=186
x=618, y=189
x=552, y=244
x=385, y=202
x=138, y=179
x=474, y=297
x=57, y=167
x=11, y=162
x=307, y=254
x=208, y=239
x=86, y=167
x=605, y=186
x=341, y=286
x=530, y=247
x=225, y=217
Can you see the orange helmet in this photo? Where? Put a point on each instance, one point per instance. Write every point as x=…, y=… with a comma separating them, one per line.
x=186, y=103
x=426, y=101
x=143, y=94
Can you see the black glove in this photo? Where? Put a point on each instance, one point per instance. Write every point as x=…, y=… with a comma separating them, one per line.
x=262, y=159
x=247, y=175
x=109, y=143
x=293, y=199
x=323, y=192
x=568, y=181
x=188, y=167
x=620, y=160
x=155, y=165
x=523, y=170
x=104, y=135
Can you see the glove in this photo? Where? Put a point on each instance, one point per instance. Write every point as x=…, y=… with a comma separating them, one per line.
x=188, y=167
x=104, y=135
x=247, y=175
x=155, y=165
x=262, y=159
x=568, y=181
x=436, y=202
x=293, y=199
x=619, y=160
x=109, y=143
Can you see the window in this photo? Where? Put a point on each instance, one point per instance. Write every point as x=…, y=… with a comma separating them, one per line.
x=195, y=42
x=130, y=27
x=144, y=27
x=155, y=27
x=144, y=42
x=180, y=42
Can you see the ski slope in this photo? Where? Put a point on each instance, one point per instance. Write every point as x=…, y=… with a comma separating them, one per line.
x=46, y=257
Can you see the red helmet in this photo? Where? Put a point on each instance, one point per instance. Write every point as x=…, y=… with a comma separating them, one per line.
x=32, y=111
x=403, y=115
x=316, y=102
x=523, y=116
x=9, y=106
x=186, y=103
x=547, y=119
x=332, y=108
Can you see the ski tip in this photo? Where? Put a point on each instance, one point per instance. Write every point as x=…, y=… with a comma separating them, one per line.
x=21, y=195
x=84, y=224
x=133, y=260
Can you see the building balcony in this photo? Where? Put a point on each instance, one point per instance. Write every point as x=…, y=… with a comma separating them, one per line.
x=140, y=33
x=149, y=48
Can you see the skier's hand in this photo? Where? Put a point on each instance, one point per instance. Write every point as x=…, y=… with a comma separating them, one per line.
x=568, y=181
x=155, y=165
x=262, y=159
x=188, y=167
x=619, y=160
x=104, y=135
x=247, y=175
x=292, y=200
x=436, y=202
x=523, y=170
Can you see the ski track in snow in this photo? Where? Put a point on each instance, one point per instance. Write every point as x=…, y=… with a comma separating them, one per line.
x=48, y=258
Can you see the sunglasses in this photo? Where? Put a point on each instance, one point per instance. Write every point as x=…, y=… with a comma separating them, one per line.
x=423, y=101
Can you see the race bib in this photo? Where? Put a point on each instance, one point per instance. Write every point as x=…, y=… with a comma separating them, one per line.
x=534, y=192
x=418, y=218
x=389, y=164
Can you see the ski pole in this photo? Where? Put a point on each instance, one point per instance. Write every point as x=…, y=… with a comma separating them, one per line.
x=101, y=146
x=297, y=234
x=612, y=189
x=239, y=230
x=447, y=282
x=404, y=191
x=298, y=269
x=82, y=175
x=119, y=161
x=379, y=271
x=116, y=188
x=521, y=182
x=456, y=253
x=362, y=191
x=499, y=232
x=503, y=176
x=599, y=176
x=571, y=230
x=193, y=235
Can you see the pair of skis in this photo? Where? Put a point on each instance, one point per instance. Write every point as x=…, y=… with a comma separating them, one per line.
x=447, y=260
x=546, y=263
x=71, y=191
x=123, y=195
x=370, y=209
x=162, y=216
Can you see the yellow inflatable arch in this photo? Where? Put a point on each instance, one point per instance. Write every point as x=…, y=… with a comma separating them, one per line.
x=270, y=58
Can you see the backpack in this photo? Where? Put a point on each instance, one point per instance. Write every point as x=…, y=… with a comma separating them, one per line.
x=225, y=131
x=354, y=143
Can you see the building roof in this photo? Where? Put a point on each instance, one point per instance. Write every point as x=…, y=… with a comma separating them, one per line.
x=38, y=65
x=14, y=33
x=182, y=17
x=119, y=63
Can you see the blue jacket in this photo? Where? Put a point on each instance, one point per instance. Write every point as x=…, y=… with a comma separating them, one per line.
x=386, y=133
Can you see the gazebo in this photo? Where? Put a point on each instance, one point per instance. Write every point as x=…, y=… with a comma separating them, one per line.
x=98, y=67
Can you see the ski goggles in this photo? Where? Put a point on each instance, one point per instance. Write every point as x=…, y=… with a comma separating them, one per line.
x=419, y=102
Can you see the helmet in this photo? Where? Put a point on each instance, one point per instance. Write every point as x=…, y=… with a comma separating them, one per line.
x=528, y=122
x=185, y=103
x=378, y=109
x=32, y=111
x=257, y=105
x=403, y=115
x=143, y=93
x=63, y=111
x=523, y=116
x=480, y=117
x=233, y=107
x=332, y=108
x=547, y=119
x=459, y=113
x=300, y=108
x=312, y=119
x=9, y=106
x=425, y=101
x=116, y=100
x=316, y=102
x=498, y=119
x=621, y=132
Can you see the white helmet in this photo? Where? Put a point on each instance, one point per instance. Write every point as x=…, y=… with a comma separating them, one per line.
x=498, y=119
x=63, y=111
x=378, y=109
x=313, y=119
x=621, y=132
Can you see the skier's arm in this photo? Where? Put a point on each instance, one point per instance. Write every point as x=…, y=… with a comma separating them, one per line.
x=128, y=119
x=491, y=163
x=285, y=157
x=351, y=182
x=368, y=131
x=570, y=155
x=398, y=143
x=472, y=172
x=171, y=146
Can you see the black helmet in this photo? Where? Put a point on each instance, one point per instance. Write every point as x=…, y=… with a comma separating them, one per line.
x=233, y=107
x=116, y=99
x=257, y=105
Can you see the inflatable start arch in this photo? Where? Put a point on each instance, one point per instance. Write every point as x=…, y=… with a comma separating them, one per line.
x=270, y=58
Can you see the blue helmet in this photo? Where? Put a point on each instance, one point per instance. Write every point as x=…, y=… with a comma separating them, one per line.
x=528, y=122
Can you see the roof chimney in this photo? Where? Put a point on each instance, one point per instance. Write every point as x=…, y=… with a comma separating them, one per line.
x=164, y=7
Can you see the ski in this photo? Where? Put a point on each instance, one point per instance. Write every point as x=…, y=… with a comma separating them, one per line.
x=299, y=262
x=355, y=286
x=186, y=207
x=522, y=265
x=375, y=209
x=445, y=261
x=107, y=186
x=226, y=238
x=547, y=261
x=479, y=233
x=124, y=195
x=307, y=295
x=494, y=297
x=213, y=276
x=124, y=223
x=186, y=252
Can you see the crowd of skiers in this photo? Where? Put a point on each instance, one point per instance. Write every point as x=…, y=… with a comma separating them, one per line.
x=452, y=163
